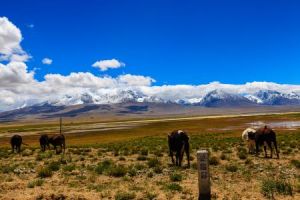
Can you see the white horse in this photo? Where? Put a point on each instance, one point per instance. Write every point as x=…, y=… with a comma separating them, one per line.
x=251, y=143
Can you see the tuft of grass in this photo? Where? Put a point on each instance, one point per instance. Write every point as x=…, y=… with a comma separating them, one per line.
x=122, y=195
x=141, y=158
x=44, y=172
x=150, y=195
x=117, y=171
x=231, y=167
x=54, y=166
x=69, y=168
x=214, y=160
x=174, y=187
x=175, y=177
x=270, y=187
x=242, y=155
x=103, y=166
x=144, y=152
x=153, y=162
x=296, y=163
x=34, y=183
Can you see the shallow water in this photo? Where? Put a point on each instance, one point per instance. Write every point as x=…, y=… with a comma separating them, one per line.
x=281, y=124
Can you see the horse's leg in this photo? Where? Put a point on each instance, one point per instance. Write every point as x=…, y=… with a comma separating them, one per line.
x=187, y=151
x=270, y=146
x=265, y=149
x=257, y=148
x=177, y=157
x=275, y=145
x=172, y=157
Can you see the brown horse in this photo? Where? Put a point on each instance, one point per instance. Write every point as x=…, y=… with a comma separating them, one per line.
x=264, y=135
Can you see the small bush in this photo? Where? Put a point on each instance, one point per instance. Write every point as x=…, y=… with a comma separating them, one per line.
x=150, y=196
x=174, y=187
x=153, y=162
x=231, y=167
x=141, y=158
x=38, y=182
x=132, y=172
x=223, y=156
x=122, y=158
x=125, y=195
x=242, y=155
x=271, y=186
x=54, y=166
x=69, y=168
x=44, y=172
x=103, y=166
x=144, y=152
x=248, y=162
x=158, y=169
x=117, y=171
x=214, y=160
x=296, y=163
x=139, y=166
x=175, y=177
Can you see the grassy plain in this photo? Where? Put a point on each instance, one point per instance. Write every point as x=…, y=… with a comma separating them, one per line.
x=106, y=160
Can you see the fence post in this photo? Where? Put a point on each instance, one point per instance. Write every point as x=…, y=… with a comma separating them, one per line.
x=203, y=175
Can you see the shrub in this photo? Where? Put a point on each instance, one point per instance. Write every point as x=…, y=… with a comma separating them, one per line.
x=296, y=163
x=103, y=166
x=117, y=171
x=231, y=167
x=122, y=158
x=175, y=177
x=44, y=172
x=248, y=161
x=242, y=155
x=38, y=182
x=223, y=156
x=69, y=168
x=132, y=172
x=174, y=187
x=271, y=186
x=125, y=195
x=139, y=166
x=214, y=160
x=141, y=158
x=150, y=195
x=153, y=162
x=54, y=166
x=158, y=169
x=144, y=152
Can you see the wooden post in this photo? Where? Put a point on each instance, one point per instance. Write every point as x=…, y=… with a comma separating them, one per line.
x=203, y=175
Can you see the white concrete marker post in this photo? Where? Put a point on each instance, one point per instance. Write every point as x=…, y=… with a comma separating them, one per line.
x=203, y=175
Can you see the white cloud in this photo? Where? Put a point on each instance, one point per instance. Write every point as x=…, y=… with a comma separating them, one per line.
x=104, y=65
x=47, y=61
x=10, y=39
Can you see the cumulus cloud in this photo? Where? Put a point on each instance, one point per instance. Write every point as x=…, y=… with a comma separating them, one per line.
x=47, y=61
x=104, y=65
x=10, y=39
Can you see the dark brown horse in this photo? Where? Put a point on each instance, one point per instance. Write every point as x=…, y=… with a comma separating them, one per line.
x=16, y=142
x=58, y=140
x=179, y=143
x=262, y=136
x=44, y=142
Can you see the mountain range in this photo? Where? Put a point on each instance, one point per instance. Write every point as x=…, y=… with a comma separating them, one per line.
x=130, y=102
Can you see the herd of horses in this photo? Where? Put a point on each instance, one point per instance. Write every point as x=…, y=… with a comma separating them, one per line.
x=178, y=142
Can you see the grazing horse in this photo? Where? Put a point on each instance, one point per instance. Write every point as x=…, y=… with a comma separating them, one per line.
x=250, y=143
x=58, y=140
x=16, y=142
x=264, y=135
x=44, y=142
x=178, y=141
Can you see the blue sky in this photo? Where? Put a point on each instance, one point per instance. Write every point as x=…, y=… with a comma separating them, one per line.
x=174, y=42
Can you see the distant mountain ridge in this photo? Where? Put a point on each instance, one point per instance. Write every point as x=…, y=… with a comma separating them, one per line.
x=135, y=102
